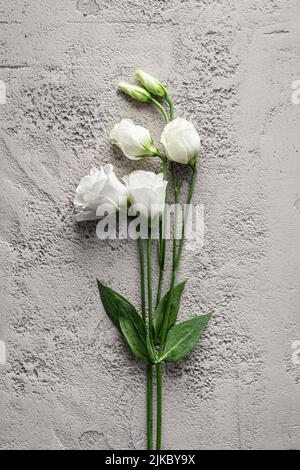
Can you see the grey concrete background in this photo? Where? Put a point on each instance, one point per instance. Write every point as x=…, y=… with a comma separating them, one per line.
x=68, y=381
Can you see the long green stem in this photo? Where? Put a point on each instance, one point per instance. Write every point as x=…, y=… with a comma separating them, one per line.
x=149, y=279
x=162, y=240
x=149, y=408
x=171, y=106
x=177, y=256
x=158, y=405
x=165, y=325
x=175, y=266
x=161, y=108
x=174, y=250
x=188, y=201
x=160, y=278
x=142, y=267
x=148, y=368
x=150, y=330
x=162, y=256
x=166, y=321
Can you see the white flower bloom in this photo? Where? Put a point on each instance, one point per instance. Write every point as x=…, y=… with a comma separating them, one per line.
x=97, y=188
x=151, y=84
x=134, y=141
x=147, y=190
x=181, y=141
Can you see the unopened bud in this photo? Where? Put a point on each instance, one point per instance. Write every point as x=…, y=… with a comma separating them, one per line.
x=151, y=84
x=136, y=92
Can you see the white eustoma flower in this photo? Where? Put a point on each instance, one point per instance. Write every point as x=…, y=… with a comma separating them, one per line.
x=97, y=188
x=151, y=84
x=134, y=141
x=181, y=141
x=147, y=190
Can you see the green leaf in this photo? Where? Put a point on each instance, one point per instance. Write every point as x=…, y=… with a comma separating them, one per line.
x=183, y=337
x=162, y=307
x=133, y=339
x=116, y=306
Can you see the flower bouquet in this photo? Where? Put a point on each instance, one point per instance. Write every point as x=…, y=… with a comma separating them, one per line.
x=151, y=332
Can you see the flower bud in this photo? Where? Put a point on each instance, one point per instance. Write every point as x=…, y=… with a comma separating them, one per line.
x=134, y=141
x=136, y=92
x=151, y=84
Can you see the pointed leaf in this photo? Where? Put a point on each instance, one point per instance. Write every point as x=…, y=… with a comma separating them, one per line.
x=133, y=339
x=183, y=337
x=116, y=306
x=162, y=307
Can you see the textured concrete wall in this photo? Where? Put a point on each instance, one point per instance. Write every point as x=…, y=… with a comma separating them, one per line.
x=68, y=381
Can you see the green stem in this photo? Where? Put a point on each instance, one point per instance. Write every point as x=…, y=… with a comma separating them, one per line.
x=163, y=338
x=161, y=108
x=176, y=189
x=159, y=287
x=149, y=368
x=188, y=201
x=149, y=279
x=150, y=329
x=177, y=256
x=171, y=106
x=149, y=408
x=158, y=405
x=162, y=241
x=142, y=266
x=162, y=256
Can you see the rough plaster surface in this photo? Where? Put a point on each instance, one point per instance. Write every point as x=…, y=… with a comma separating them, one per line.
x=68, y=381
